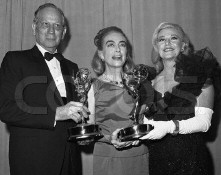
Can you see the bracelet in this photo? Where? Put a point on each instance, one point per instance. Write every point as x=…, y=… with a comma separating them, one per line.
x=177, y=127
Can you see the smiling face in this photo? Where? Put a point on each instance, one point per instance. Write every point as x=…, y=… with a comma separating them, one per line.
x=48, y=28
x=169, y=43
x=114, y=50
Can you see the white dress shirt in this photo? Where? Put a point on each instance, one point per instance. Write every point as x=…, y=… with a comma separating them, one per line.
x=55, y=70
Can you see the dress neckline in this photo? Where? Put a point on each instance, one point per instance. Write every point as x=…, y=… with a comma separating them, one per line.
x=106, y=79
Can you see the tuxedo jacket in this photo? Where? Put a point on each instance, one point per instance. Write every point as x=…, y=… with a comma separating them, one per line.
x=28, y=102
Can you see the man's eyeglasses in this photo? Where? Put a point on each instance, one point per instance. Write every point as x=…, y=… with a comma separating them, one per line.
x=47, y=25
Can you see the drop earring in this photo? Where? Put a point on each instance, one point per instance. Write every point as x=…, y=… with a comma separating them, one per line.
x=102, y=59
x=182, y=49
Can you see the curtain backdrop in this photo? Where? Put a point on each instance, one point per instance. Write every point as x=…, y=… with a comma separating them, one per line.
x=201, y=19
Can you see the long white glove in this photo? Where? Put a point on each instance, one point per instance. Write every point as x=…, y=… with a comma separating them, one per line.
x=161, y=128
x=199, y=123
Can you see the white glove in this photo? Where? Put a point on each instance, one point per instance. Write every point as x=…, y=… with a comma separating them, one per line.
x=161, y=128
x=199, y=123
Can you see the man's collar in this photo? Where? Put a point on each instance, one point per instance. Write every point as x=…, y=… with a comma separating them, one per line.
x=42, y=50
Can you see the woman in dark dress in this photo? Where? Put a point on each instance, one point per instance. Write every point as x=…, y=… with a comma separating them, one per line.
x=183, y=104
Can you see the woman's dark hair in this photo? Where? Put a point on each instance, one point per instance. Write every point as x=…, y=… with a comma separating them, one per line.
x=97, y=64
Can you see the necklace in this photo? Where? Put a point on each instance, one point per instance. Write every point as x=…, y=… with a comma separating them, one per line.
x=108, y=79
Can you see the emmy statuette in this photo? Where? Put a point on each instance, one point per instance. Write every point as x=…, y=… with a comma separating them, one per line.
x=83, y=133
x=132, y=83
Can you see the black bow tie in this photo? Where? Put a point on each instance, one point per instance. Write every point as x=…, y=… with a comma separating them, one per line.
x=48, y=56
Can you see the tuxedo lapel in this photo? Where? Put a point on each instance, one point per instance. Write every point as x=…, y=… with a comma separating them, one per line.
x=38, y=57
x=68, y=79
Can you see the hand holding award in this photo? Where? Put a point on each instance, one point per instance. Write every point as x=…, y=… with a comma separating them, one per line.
x=132, y=83
x=83, y=133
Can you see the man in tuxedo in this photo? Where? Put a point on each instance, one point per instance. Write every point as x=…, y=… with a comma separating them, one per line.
x=38, y=101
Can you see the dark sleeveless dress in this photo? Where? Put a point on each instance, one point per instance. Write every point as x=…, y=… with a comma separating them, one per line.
x=183, y=154
x=113, y=106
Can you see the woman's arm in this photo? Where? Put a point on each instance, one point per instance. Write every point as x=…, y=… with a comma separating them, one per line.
x=206, y=98
x=91, y=105
x=199, y=123
x=203, y=113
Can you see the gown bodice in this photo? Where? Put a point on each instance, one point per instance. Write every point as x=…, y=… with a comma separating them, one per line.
x=113, y=108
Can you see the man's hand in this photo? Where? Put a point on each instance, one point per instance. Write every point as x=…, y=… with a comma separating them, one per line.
x=72, y=110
